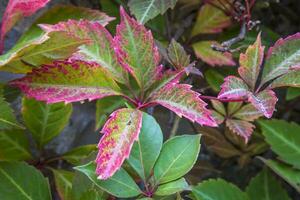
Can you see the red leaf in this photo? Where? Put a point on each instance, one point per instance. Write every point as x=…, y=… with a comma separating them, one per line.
x=99, y=50
x=233, y=88
x=120, y=131
x=242, y=128
x=16, y=10
x=136, y=52
x=250, y=63
x=68, y=82
x=184, y=102
x=264, y=101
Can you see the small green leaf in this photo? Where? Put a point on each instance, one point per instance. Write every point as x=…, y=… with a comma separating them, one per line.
x=177, y=157
x=63, y=182
x=146, y=149
x=218, y=106
x=288, y=173
x=264, y=186
x=218, y=190
x=106, y=106
x=284, y=139
x=20, y=181
x=177, y=56
x=76, y=155
x=45, y=121
x=7, y=118
x=14, y=145
x=120, y=184
x=172, y=187
x=144, y=10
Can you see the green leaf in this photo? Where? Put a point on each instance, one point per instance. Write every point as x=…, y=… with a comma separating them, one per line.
x=177, y=157
x=120, y=184
x=63, y=182
x=282, y=57
x=264, y=186
x=146, y=149
x=84, y=189
x=7, y=118
x=214, y=79
x=292, y=93
x=76, y=155
x=218, y=189
x=210, y=19
x=144, y=10
x=204, y=51
x=218, y=106
x=284, y=139
x=21, y=181
x=45, y=121
x=288, y=173
x=177, y=56
x=14, y=145
x=106, y=106
x=172, y=187
x=290, y=79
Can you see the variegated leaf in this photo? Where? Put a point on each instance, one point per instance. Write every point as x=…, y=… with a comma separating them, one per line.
x=233, y=88
x=248, y=113
x=177, y=55
x=290, y=79
x=264, y=101
x=210, y=19
x=283, y=57
x=144, y=10
x=120, y=131
x=16, y=10
x=184, y=102
x=240, y=127
x=99, y=50
x=35, y=47
x=136, y=51
x=68, y=82
x=250, y=63
x=204, y=51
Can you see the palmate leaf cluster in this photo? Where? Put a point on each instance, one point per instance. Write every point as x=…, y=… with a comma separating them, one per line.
x=73, y=54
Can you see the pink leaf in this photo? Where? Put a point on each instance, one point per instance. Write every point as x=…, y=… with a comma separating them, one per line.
x=184, y=102
x=99, y=50
x=242, y=128
x=264, y=101
x=16, y=10
x=233, y=88
x=250, y=63
x=136, y=52
x=68, y=82
x=120, y=131
x=204, y=51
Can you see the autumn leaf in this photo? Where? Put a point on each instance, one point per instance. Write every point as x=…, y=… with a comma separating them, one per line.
x=120, y=131
x=65, y=81
x=16, y=10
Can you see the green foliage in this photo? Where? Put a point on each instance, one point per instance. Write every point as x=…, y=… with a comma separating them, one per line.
x=177, y=157
x=284, y=139
x=218, y=190
x=146, y=149
x=119, y=185
x=14, y=185
x=172, y=187
x=14, y=145
x=76, y=155
x=63, y=183
x=45, y=121
x=264, y=186
x=7, y=118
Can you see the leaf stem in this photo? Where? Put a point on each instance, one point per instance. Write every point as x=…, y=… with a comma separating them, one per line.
x=222, y=100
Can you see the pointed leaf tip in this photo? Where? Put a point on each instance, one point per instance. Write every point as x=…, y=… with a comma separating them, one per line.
x=120, y=131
